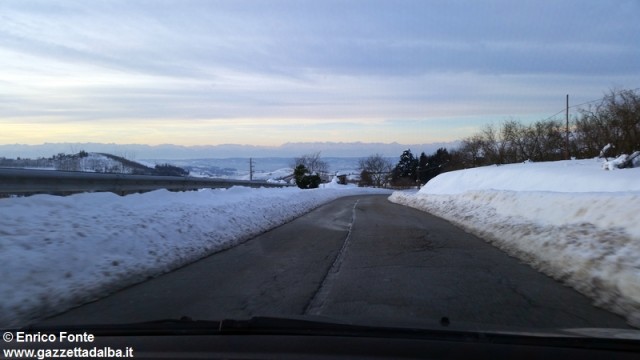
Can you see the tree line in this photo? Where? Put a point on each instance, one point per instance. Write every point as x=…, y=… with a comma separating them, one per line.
x=615, y=120
x=378, y=171
x=612, y=124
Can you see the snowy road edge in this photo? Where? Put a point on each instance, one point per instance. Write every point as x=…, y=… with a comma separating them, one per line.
x=607, y=271
x=140, y=247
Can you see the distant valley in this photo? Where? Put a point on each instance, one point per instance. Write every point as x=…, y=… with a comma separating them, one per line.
x=266, y=168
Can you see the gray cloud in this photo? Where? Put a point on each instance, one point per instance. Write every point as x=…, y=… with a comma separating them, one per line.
x=390, y=38
x=109, y=60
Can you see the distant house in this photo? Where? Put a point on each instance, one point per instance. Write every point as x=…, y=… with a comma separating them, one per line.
x=342, y=178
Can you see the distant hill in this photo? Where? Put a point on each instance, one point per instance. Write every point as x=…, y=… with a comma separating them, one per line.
x=92, y=162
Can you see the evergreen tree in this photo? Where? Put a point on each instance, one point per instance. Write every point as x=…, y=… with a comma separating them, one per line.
x=433, y=165
x=423, y=165
x=305, y=181
x=406, y=169
x=170, y=170
x=299, y=172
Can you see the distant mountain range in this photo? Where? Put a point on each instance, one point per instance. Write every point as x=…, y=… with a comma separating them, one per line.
x=175, y=152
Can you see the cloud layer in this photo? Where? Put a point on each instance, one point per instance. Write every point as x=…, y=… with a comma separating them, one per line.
x=207, y=72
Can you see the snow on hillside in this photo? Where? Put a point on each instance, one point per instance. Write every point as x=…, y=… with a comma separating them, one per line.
x=95, y=162
x=59, y=252
x=569, y=219
x=268, y=175
x=85, y=162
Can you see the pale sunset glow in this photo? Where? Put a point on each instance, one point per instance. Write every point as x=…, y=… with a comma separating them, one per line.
x=271, y=72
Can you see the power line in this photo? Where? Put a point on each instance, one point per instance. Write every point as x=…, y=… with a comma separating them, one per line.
x=602, y=98
x=561, y=111
x=588, y=102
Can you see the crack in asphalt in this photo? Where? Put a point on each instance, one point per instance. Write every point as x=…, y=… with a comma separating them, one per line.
x=314, y=307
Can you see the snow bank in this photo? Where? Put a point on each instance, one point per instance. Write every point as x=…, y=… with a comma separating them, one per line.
x=559, y=176
x=568, y=219
x=59, y=252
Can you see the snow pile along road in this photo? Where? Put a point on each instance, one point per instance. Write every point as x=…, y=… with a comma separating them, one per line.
x=59, y=252
x=569, y=219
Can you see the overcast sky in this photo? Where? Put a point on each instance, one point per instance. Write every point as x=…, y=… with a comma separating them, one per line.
x=271, y=72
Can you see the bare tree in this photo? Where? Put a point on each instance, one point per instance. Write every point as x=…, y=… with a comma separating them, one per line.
x=377, y=168
x=492, y=145
x=470, y=153
x=313, y=163
x=615, y=120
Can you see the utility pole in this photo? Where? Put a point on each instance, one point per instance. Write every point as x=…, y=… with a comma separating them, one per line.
x=566, y=149
x=250, y=169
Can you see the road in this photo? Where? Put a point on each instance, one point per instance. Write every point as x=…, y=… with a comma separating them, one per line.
x=356, y=258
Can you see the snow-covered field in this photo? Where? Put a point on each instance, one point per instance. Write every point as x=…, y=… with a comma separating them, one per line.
x=58, y=252
x=570, y=219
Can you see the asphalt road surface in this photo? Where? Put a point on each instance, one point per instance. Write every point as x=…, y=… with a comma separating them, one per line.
x=356, y=258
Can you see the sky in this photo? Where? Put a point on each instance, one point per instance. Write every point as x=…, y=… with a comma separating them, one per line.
x=270, y=72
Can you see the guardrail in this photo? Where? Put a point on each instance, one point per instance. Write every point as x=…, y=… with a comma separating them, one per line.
x=29, y=181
